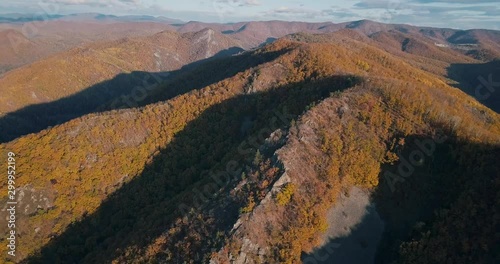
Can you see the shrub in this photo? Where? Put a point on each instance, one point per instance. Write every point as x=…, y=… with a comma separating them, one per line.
x=285, y=195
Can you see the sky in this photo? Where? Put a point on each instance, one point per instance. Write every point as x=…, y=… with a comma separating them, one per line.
x=462, y=14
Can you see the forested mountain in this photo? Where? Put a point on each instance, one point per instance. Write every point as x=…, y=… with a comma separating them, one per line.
x=240, y=158
x=29, y=41
x=114, y=68
x=82, y=80
x=22, y=44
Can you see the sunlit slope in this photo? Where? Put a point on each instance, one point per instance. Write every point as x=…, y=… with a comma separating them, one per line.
x=73, y=71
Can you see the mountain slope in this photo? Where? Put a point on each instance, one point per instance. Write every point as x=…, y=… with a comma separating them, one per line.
x=71, y=31
x=84, y=79
x=165, y=51
x=345, y=141
x=125, y=185
x=48, y=38
x=12, y=42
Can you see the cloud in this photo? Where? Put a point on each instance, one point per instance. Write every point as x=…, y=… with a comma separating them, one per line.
x=295, y=13
x=455, y=1
x=380, y=4
x=229, y=9
x=252, y=2
x=100, y=3
x=338, y=13
x=307, y=14
x=73, y=2
x=135, y=2
x=239, y=3
x=438, y=13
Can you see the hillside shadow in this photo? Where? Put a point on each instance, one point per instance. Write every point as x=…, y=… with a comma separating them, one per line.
x=409, y=209
x=268, y=41
x=143, y=209
x=359, y=246
x=439, y=182
x=130, y=90
x=479, y=80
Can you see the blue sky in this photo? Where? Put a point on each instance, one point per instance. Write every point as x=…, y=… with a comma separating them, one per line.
x=463, y=14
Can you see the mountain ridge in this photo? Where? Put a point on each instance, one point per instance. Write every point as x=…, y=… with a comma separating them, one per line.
x=221, y=146
x=161, y=136
x=249, y=34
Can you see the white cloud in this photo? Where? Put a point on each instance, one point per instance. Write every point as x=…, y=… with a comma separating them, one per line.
x=252, y=2
x=95, y=2
x=239, y=3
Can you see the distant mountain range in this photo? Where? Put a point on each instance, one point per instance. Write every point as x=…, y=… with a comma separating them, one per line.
x=21, y=46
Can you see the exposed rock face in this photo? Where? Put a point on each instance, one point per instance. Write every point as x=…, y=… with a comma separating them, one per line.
x=253, y=249
x=299, y=147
